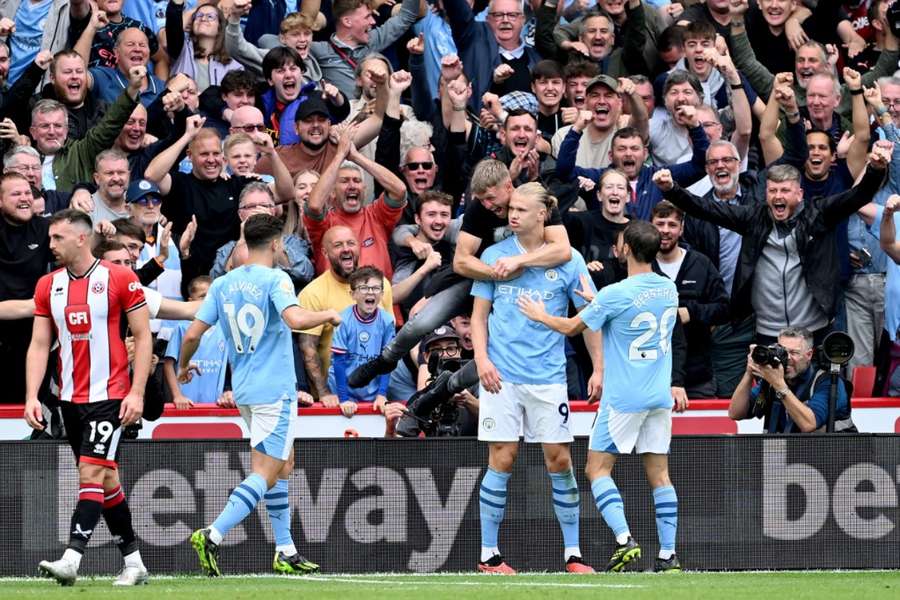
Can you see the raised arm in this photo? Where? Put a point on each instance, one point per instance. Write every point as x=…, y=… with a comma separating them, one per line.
x=740, y=103
x=744, y=58
x=856, y=156
x=318, y=197
x=368, y=129
x=838, y=207
x=640, y=120
x=395, y=189
x=768, y=125
x=720, y=213
x=887, y=237
x=284, y=183
x=158, y=169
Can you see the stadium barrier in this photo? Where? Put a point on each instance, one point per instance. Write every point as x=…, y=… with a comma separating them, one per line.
x=703, y=417
x=366, y=505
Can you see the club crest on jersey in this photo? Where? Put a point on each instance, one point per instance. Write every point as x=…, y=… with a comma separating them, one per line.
x=488, y=424
x=98, y=287
x=363, y=336
x=551, y=274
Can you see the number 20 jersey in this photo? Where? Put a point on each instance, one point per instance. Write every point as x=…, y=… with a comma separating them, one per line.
x=247, y=303
x=87, y=312
x=637, y=316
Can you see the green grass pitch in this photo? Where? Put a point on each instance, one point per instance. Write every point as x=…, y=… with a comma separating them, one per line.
x=860, y=585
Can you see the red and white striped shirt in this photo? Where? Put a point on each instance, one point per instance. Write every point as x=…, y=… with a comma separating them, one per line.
x=87, y=314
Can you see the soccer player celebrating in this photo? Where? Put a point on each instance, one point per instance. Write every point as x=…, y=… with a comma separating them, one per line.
x=82, y=305
x=636, y=317
x=258, y=308
x=522, y=368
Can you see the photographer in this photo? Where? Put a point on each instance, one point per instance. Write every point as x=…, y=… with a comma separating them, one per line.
x=441, y=350
x=792, y=398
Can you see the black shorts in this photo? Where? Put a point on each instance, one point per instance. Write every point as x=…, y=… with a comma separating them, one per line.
x=94, y=431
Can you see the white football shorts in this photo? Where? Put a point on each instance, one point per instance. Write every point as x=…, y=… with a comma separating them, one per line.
x=540, y=411
x=271, y=426
x=645, y=432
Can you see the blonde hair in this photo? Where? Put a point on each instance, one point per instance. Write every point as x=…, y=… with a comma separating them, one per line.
x=488, y=173
x=236, y=138
x=293, y=223
x=537, y=192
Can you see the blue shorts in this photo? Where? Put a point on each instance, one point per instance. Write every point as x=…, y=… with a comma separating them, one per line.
x=645, y=432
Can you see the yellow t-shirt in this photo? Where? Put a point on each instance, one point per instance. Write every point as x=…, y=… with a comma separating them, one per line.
x=325, y=292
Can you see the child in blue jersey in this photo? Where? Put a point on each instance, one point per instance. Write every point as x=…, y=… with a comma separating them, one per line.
x=365, y=329
x=637, y=317
x=210, y=358
x=522, y=368
x=256, y=309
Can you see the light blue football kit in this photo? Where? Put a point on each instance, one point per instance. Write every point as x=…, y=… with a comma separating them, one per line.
x=531, y=360
x=637, y=317
x=247, y=304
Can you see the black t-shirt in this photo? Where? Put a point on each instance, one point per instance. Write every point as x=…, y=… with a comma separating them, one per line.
x=483, y=224
x=24, y=257
x=549, y=124
x=214, y=203
x=700, y=12
x=592, y=234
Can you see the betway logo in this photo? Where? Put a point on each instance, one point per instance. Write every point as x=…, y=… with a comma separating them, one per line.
x=162, y=498
x=857, y=500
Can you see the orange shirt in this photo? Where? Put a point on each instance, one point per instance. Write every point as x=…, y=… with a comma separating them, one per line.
x=373, y=226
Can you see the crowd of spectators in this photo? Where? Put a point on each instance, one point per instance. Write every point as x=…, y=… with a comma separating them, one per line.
x=758, y=137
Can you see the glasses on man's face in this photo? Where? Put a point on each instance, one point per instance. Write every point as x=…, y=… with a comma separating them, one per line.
x=725, y=160
x=250, y=128
x=25, y=168
x=708, y=124
x=505, y=16
x=265, y=205
x=415, y=166
x=368, y=289
x=891, y=101
x=149, y=201
x=207, y=16
x=446, y=350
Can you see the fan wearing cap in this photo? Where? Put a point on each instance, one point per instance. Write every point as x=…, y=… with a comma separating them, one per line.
x=308, y=144
x=145, y=204
x=603, y=99
x=596, y=39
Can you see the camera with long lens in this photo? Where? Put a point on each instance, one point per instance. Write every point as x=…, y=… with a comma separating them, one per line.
x=434, y=416
x=772, y=355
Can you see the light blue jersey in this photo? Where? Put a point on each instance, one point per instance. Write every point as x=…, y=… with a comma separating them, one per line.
x=25, y=42
x=523, y=350
x=210, y=358
x=637, y=316
x=357, y=341
x=247, y=303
